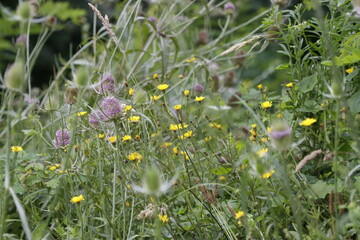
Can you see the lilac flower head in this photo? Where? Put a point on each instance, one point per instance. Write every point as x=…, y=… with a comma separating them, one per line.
x=229, y=8
x=62, y=138
x=21, y=40
x=198, y=88
x=111, y=107
x=95, y=118
x=152, y=19
x=107, y=84
x=280, y=134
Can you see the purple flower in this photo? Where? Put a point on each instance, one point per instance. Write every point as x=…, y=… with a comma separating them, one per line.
x=29, y=100
x=21, y=40
x=111, y=107
x=198, y=88
x=152, y=19
x=62, y=138
x=107, y=84
x=229, y=8
x=280, y=134
x=95, y=118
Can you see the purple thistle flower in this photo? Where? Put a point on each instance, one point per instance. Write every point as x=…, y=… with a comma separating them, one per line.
x=62, y=138
x=95, y=118
x=280, y=134
x=229, y=8
x=111, y=107
x=107, y=84
x=198, y=88
x=152, y=19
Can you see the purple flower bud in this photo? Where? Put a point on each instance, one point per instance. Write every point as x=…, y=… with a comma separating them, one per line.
x=152, y=19
x=111, y=107
x=21, y=40
x=229, y=8
x=280, y=134
x=198, y=88
x=107, y=84
x=62, y=138
x=222, y=160
x=95, y=118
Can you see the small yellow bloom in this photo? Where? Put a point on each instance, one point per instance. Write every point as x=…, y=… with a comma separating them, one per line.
x=269, y=129
x=253, y=132
x=163, y=218
x=16, y=149
x=101, y=136
x=177, y=107
x=216, y=125
x=253, y=125
x=134, y=119
x=54, y=167
x=279, y=115
x=184, y=154
x=166, y=144
x=127, y=108
x=174, y=127
x=207, y=139
x=155, y=97
x=112, y=139
x=162, y=87
x=127, y=204
x=126, y=138
x=80, y=114
x=155, y=76
x=190, y=60
x=261, y=153
x=239, y=214
x=349, y=70
x=222, y=178
x=308, y=122
x=199, y=99
x=181, y=76
x=175, y=151
x=131, y=91
x=77, y=199
x=264, y=140
x=260, y=86
x=252, y=138
x=289, y=85
x=135, y=156
x=137, y=137
x=268, y=174
x=188, y=134
x=186, y=93
x=266, y=104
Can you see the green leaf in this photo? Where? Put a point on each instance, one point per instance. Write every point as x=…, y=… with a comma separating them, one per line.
x=282, y=66
x=53, y=183
x=354, y=103
x=308, y=83
x=310, y=106
x=62, y=10
x=321, y=188
x=220, y=170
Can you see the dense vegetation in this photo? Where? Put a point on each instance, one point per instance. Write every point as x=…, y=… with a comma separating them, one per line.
x=183, y=120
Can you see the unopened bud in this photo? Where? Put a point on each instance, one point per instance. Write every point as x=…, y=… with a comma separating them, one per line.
x=229, y=8
x=198, y=88
x=25, y=10
x=51, y=22
x=51, y=103
x=14, y=76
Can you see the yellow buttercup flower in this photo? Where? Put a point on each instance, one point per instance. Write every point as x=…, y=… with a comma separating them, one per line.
x=260, y=86
x=261, y=153
x=16, y=149
x=308, y=122
x=163, y=218
x=155, y=76
x=268, y=174
x=199, y=99
x=184, y=154
x=131, y=91
x=101, y=136
x=155, y=97
x=289, y=85
x=188, y=134
x=350, y=70
x=175, y=151
x=177, y=107
x=186, y=93
x=239, y=214
x=80, y=114
x=126, y=138
x=190, y=60
x=112, y=139
x=253, y=125
x=216, y=125
x=162, y=87
x=266, y=104
x=134, y=119
x=135, y=156
x=77, y=199
x=166, y=144
x=207, y=139
x=127, y=108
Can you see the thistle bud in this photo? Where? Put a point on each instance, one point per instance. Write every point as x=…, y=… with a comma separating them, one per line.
x=152, y=19
x=14, y=76
x=198, y=88
x=50, y=22
x=21, y=40
x=25, y=10
x=51, y=103
x=239, y=58
x=229, y=8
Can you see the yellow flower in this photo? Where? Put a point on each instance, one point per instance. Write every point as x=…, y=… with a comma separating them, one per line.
x=16, y=149
x=253, y=125
x=175, y=151
x=199, y=99
x=269, y=129
x=186, y=93
x=190, y=60
x=264, y=140
x=155, y=76
x=252, y=138
x=101, y=136
x=181, y=76
x=80, y=114
x=177, y=107
x=166, y=144
x=162, y=87
x=216, y=125
x=155, y=97
x=127, y=204
x=135, y=156
x=174, y=127
x=126, y=138
x=239, y=214
x=112, y=139
x=289, y=85
x=131, y=91
x=185, y=155
x=188, y=134
x=127, y=108
x=54, y=167
x=268, y=174
x=349, y=70
x=253, y=132
x=266, y=104
x=222, y=178
x=163, y=218
x=77, y=199
x=279, y=115
x=207, y=139
x=134, y=119
x=308, y=122
x=260, y=86
x=261, y=153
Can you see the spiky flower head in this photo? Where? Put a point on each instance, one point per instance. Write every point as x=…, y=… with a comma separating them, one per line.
x=62, y=138
x=95, y=118
x=229, y=8
x=111, y=107
x=198, y=88
x=106, y=85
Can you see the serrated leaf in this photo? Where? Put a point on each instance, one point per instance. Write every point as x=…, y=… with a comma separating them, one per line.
x=220, y=170
x=308, y=83
x=321, y=188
